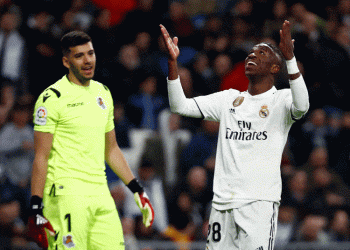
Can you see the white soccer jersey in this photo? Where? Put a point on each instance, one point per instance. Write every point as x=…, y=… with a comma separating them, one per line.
x=253, y=133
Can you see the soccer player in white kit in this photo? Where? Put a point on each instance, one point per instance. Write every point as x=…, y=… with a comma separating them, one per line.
x=254, y=127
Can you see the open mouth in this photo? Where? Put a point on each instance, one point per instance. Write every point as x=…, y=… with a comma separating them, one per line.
x=87, y=69
x=251, y=63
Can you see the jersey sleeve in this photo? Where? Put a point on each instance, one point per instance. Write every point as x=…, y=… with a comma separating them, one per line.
x=211, y=105
x=288, y=103
x=46, y=112
x=110, y=122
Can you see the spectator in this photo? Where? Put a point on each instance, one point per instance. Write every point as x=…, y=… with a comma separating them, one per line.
x=222, y=66
x=201, y=147
x=13, y=52
x=339, y=229
x=186, y=77
x=188, y=204
x=103, y=33
x=203, y=74
x=310, y=134
x=144, y=106
x=11, y=222
x=17, y=148
x=338, y=148
x=144, y=18
x=182, y=226
x=279, y=14
x=235, y=79
x=174, y=139
x=287, y=225
x=180, y=23
x=43, y=51
x=122, y=125
x=8, y=99
x=124, y=71
x=328, y=191
x=77, y=17
x=153, y=185
x=296, y=192
x=313, y=229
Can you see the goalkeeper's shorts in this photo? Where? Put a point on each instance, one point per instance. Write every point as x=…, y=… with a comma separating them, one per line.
x=84, y=222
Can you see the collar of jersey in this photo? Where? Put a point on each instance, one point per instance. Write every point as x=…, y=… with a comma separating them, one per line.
x=263, y=95
x=76, y=85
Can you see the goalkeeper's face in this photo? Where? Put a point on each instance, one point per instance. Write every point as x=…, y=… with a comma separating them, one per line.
x=81, y=62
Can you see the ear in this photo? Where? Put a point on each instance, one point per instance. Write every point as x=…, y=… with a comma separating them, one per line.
x=275, y=68
x=65, y=62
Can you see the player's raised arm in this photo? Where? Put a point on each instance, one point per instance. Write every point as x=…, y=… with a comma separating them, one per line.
x=178, y=102
x=173, y=52
x=297, y=84
x=287, y=48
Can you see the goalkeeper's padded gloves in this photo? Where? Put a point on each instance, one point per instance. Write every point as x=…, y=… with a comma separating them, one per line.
x=37, y=223
x=142, y=202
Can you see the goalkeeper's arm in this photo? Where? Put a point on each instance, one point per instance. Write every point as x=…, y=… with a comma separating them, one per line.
x=117, y=162
x=37, y=223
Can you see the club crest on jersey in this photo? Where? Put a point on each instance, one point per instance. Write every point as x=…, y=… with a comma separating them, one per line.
x=101, y=103
x=40, y=116
x=68, y=241
x=238, y=101
x=264, y=112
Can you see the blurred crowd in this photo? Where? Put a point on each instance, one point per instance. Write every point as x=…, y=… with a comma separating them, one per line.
x=176, y=161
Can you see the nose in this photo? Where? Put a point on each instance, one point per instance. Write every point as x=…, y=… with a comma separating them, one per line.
x=251, y=55
x=88, y=59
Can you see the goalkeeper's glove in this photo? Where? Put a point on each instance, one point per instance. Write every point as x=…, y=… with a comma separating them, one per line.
x=37, y=223
x=142, y=202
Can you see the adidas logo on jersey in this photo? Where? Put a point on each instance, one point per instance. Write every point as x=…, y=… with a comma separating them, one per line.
x=232, y=111
x=40, y=220
x=260, y=248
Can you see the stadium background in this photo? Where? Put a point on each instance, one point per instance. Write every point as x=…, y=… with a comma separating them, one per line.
x=174, y=156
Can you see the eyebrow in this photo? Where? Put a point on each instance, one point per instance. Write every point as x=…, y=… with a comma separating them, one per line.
x=266, y=45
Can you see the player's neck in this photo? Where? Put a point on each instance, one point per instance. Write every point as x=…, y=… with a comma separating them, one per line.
x=73, y=79
x=259, y=87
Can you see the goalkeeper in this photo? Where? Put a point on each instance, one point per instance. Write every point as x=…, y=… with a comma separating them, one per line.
x=71, y=205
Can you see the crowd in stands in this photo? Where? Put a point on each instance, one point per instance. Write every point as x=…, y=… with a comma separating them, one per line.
x=174, y=156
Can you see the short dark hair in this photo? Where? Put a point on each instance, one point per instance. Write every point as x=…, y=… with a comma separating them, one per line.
x=72, y=39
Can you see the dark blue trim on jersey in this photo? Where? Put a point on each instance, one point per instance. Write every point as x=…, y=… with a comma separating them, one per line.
x=198, y=108
x=56, y=92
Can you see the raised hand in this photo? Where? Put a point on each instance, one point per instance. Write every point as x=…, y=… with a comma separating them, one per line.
x=286, y=42
x=170, y=43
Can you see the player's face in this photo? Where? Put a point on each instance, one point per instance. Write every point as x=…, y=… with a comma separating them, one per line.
x=81, y=62
x=261, y=60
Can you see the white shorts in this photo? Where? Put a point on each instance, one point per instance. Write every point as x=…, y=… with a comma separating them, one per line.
x=250, y=227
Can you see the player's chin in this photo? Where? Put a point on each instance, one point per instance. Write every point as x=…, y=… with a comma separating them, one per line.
x=249, y=73
x=88, y=75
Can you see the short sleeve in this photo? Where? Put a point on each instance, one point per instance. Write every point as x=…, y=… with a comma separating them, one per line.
x=46, y=113
x=110, y=122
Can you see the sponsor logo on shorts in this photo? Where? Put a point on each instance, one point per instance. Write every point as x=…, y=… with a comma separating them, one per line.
x=68, y=241
x=41, y=116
